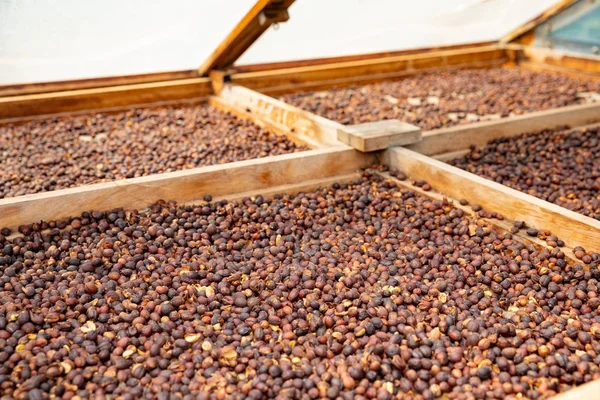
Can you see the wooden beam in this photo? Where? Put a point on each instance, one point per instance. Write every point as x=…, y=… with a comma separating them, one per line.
x=278, y=129
x=356, y=57
x=184, y=186
x=365, y=71
x=461, y=137
x=588, y=390
x=104, y=98
x=125, y=94
x=573, y=228
x=282, y=117
x=532, y=66
x=560, y=61
x=502, y=226
x=379, y=135
x=244, y=34
x=21, y=89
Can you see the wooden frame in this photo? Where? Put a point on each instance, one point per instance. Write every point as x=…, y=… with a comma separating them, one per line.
x=582, y=66
x=281, y=117
x=461, y=137
x=286, y=172
x=231, y=89
x=331, y=159
x=574, y=228
x=127, y=92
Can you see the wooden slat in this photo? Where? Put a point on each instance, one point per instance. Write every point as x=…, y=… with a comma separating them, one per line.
x=293, y=188
x=305, y=126
x=532, y=66
x=356, y=57
x=59, y=86
x=364, y=71
x=590, y=390
x=502, y=226
x=180, y=90
x=379, y=135
x=21, y=89
x=103, y=98
x=183, y=186
x=575, y=229
x=559, y=61
x=278, y=129
x=244, y=34
x=460, y=137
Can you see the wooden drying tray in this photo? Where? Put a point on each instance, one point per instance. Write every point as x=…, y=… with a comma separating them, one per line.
x=331, y=162
x=22, y=102
x=331, y=159
x=541, y=59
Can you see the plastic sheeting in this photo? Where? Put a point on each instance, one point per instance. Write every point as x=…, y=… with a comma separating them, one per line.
x=74, y=39
x=577, y=29
x=332, y=28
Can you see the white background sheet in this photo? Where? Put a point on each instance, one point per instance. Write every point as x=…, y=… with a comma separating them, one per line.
x=49, y=40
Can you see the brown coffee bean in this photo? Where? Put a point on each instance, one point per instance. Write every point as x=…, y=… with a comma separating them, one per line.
x=446, y=98
x=573, y=182
x=63, y=152
x=381, y=293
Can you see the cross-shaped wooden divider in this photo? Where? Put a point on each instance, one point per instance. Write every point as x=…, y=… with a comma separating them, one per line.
x=379, y=135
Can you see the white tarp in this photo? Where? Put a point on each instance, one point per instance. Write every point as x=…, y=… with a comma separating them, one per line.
x=329, y=28
x=74, y=39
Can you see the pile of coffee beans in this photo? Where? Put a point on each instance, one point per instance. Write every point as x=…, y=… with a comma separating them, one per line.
x=560, y=166
x=446, y=98
x=356, y=291
x=64, y=152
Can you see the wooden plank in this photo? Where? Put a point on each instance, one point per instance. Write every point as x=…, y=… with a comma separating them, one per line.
x=303, y=125
x=590, y=390
x=20, y=89
x=502, y=226
x=379, y=135
x=58, y=86
x=461, y=137
x=575, y=229
x=244, y=34
x=533, y=66
x=362, y=71
x=293, y=188
x=278, y=129
x=103, y=98
x=183, y=186
x=445, y=157
x=180, y=90
x=353, y=79
x=560, y=61
x=356, y=57
x=451, y=155
x=531, y=24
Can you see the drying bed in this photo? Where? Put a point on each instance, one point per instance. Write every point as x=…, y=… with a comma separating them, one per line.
x=560, y=166
x=359, y=290
x=64, y=152
x=450, y=97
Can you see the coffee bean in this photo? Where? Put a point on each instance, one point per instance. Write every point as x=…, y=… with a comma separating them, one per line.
x=64, y=152
x=360, y=298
